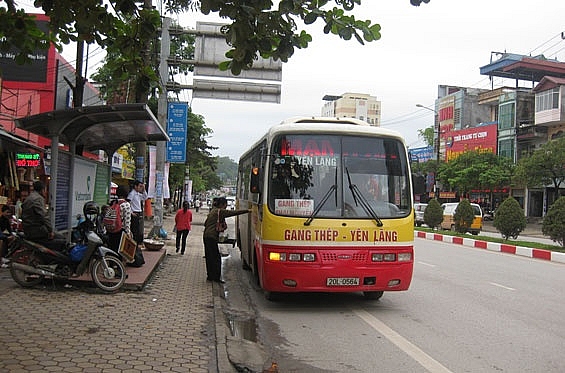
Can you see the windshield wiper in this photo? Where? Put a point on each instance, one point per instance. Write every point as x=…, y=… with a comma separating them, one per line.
x=320, y=205
x=323, y=201
x=357, y=195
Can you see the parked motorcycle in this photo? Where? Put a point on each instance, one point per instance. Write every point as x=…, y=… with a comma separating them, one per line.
x=31, y=262
x=488, y=215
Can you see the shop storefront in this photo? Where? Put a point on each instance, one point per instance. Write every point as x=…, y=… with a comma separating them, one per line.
x=20, y=165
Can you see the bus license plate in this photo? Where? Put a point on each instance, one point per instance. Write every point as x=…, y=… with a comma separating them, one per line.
x=342, y=281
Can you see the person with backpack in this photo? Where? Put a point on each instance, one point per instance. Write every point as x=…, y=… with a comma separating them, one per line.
x=117, y=219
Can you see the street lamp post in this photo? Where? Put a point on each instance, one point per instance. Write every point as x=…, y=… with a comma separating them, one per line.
x=436, y=188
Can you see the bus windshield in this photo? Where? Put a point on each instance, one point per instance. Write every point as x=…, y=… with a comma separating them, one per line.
x=310, y=172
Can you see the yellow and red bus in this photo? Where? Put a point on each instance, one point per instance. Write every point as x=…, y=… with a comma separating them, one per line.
x=332, y=208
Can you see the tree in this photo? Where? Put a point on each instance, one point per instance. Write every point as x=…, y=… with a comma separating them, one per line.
x=227, y=170
x=433, y=215
x=427, y=134
x=554, y=222
x=509, y=218
x=545, y=166
x=463, y=216
x=476, y=170
x=256, y=28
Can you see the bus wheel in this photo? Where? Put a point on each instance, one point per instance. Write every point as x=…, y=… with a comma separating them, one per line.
x=373, y=295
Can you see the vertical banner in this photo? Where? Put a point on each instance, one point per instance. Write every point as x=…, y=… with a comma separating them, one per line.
x=188, y=191
x=166, y=190
x=152, y=150
x=62, y=194
x=177, y=119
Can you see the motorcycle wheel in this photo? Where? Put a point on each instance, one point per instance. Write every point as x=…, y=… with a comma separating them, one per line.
x=113, y=278
x=23, y=278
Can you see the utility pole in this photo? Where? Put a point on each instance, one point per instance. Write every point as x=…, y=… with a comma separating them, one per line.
x=141, y=97
x=162, y=118
x=437, y=149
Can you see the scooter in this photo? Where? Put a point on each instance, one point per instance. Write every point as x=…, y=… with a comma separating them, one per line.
x=31, y=262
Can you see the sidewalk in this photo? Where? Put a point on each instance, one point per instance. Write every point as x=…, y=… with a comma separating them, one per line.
x=532, y=229
x=176, y=323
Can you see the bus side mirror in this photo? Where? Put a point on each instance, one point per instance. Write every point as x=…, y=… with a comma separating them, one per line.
x=255, y=182
x=419, y=184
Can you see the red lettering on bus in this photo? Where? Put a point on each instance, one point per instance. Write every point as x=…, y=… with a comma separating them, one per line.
x=382, y=235
x=297, y=235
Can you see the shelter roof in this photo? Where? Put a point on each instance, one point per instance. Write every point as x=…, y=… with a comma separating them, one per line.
x=106, y=127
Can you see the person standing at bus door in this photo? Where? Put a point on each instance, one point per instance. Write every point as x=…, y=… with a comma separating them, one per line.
x=183, y=219
x=136, y=198
x=211, y=237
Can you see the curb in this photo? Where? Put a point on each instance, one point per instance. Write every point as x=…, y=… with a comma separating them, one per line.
x=529, y=252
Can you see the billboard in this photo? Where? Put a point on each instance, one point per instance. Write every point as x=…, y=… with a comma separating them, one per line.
x=39, y=70
x=480, y=139
x=422, y=154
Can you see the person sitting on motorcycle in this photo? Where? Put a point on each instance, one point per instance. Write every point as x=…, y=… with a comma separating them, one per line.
x=35, y=222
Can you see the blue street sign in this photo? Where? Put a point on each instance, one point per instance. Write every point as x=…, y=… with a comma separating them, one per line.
x=177, y=114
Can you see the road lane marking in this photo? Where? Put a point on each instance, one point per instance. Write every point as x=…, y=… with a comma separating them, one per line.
x=501, y=286
x=427, y=264
x=425, y=360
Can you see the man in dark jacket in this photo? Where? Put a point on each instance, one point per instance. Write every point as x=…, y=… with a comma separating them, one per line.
x=35, y=222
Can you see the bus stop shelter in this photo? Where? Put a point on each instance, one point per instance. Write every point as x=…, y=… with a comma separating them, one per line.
x=91, y=128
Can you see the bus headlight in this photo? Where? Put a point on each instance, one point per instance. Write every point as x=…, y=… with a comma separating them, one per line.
x=309, y=257
x=294, y=257
x=377, y=257
x=390, y=257
x=404, y=257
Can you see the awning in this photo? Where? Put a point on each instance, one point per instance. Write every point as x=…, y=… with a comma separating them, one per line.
x=106, y=127
x=12, y=143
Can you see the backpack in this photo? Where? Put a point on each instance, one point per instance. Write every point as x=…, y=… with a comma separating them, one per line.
x=113, y=218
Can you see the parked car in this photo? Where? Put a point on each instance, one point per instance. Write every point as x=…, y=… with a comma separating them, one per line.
x=419, y=209
x=449, y=223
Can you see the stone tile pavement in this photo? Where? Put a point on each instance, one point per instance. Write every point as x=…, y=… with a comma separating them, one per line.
x=168, y=326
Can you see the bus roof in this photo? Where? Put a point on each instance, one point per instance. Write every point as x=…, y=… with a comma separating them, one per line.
x=350, y=126
x=329, y=124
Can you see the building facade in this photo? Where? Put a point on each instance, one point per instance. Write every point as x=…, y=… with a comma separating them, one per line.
x=27, y=90
x=353, y=105
x=524, y=118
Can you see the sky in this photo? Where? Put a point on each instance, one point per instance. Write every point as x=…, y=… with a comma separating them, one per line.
x=444, y=42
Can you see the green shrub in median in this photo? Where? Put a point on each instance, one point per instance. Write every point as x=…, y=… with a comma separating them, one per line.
x=554, y=222
x=433, y=215
x=509, y=218
x=463, y=216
